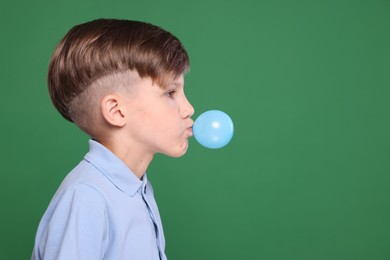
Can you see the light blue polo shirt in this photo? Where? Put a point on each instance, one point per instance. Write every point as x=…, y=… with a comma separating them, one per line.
x=101, y=211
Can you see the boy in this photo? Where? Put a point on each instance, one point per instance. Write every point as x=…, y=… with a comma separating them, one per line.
x=122, y=83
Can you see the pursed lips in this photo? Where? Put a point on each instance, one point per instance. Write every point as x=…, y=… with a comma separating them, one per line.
x=189, y=129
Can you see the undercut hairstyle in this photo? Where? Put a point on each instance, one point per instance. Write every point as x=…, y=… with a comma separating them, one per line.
x=82, y=108
x=105, y=54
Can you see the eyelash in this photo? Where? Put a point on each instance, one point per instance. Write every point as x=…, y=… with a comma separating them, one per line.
x=171, y=93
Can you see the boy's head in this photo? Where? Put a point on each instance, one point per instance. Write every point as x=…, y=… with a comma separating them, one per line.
x=100, y=56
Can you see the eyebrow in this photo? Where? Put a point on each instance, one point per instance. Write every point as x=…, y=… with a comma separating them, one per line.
x=177, y=84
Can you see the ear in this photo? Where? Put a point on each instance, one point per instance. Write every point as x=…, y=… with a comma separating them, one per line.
x=113, y=110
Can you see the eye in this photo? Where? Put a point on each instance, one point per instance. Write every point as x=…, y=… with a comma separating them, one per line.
x=170, y=93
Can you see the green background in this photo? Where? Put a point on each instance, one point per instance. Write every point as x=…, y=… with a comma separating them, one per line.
x=307, y=84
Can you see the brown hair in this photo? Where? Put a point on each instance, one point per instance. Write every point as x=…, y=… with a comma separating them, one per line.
x=102, y=47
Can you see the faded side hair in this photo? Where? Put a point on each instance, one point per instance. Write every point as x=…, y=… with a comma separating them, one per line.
x=96, y=49
x=83, y=108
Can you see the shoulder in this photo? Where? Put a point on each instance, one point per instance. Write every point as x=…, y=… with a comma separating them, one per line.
x=79, y=190
x=83, y=192
x=83, y=181
x=79, y=199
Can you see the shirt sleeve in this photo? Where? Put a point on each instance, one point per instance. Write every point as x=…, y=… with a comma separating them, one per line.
x=78, y=226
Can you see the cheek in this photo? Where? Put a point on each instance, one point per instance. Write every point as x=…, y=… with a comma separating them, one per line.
x=160, y=119
x=157, y=123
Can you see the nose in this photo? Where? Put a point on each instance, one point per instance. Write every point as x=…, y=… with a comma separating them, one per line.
x=187, y=110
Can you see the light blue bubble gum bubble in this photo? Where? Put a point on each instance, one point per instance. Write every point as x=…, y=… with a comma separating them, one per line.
x=213, y=129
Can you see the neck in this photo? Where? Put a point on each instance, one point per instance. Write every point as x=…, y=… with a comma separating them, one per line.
x=136, y=160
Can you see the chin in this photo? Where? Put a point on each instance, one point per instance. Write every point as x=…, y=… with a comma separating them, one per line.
x=179, y=152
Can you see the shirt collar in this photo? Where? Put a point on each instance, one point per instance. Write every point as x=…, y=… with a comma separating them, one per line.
x=114, y=169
